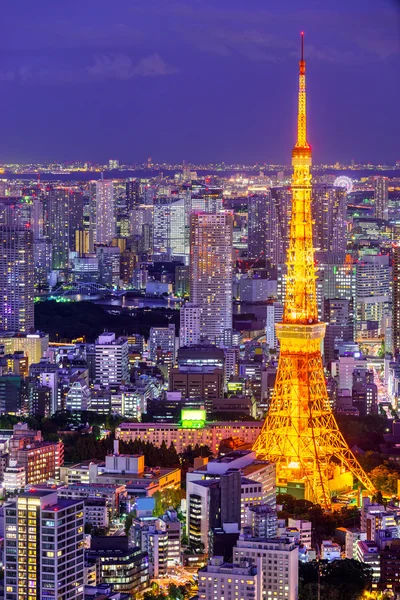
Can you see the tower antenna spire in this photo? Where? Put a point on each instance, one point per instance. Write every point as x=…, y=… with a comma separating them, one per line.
x=302, y=46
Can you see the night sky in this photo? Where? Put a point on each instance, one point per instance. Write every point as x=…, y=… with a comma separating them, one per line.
x=201, y=80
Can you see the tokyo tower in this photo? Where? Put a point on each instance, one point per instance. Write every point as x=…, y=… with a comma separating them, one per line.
x=300, y=433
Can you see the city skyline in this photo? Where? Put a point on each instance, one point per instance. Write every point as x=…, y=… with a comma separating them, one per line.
x=162, y=79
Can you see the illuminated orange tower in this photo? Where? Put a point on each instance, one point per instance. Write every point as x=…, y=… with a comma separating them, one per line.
x=300, y=433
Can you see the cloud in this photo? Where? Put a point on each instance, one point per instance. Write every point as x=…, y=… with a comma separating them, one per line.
x=110, y=66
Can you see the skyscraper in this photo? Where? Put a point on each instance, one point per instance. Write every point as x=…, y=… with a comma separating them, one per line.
x=132, y=194
x=57, y=226
x=381, y=196
x=16, y=265
x=396, y=296
x=300, y=432
x=169, y=229
x=328, y=208
x=211, y=273
x=44, y=547
x=102, y=211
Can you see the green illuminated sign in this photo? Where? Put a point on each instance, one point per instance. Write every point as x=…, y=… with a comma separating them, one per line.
x=193, y=419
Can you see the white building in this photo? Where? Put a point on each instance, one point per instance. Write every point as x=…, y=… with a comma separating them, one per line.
x=330, y=551
x=170, y=523
x=352, y=537
x=103, y=217
x=367, y=552
x=190, y=324
x=225, y=580
x=112, y=363
x=155, y=543
x=96, y=512
x=277, y=561
x=305, y=528
x=14, y=477
x=211, y=273
x=78, y=396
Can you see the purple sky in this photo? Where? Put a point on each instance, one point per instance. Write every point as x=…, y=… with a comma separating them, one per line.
x=201, y=80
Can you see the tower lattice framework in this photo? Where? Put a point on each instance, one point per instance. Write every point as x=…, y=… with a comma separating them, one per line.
x=300, y=433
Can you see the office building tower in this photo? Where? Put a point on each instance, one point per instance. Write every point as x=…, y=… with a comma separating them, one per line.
x=42, y=257
x=44, y=553
x=277, y=562
x=112, y=363
x=190, y=323
x=227, y=580
x=39, y=400
x=11, y=388
x=182, y=281
x=76, y=208
x=373, y=283
x=102, y=211
x=211, y=273
x=37, y=217
x=278, y=224
x=169, y=233
x=338, y=314
x=155, y=542
x=82, y=241
x=396, y=296
x=132, y=194
x=328, y=208
x=16, y=265
x=162, y=339
x=381, y=197
x=57, y=226
x=259, y=216
x=109, y=258
x=205, y=198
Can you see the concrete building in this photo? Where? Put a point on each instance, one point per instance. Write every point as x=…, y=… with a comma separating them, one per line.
x=204, y=434
x=190, y=324
x=112, y=363
x=16, y=265
x=381, y=197
x=367, y=552
x=277, y=562
x=211, y=273
x=33, y=345
x=35, y=529
x=162, y=338
x=226, y=580
x=103, y=216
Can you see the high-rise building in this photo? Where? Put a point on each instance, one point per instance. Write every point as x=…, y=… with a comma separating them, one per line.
x=396, y=296
x=300, y=433
x=205, y=198
x=169, y=233
x=373, y=283
x=44, y=554
x=278, y=224
x=328, y=207
x=162, y=338
x=338, y=314
x=112, y=363
x=381, y=196
x=190, y=323
x=258, y=216
x=76, y=207
x=16, y=265
x=102, y=211
x=57, y=226
x=211, y=273
x=109, y=258
x=132, y=194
